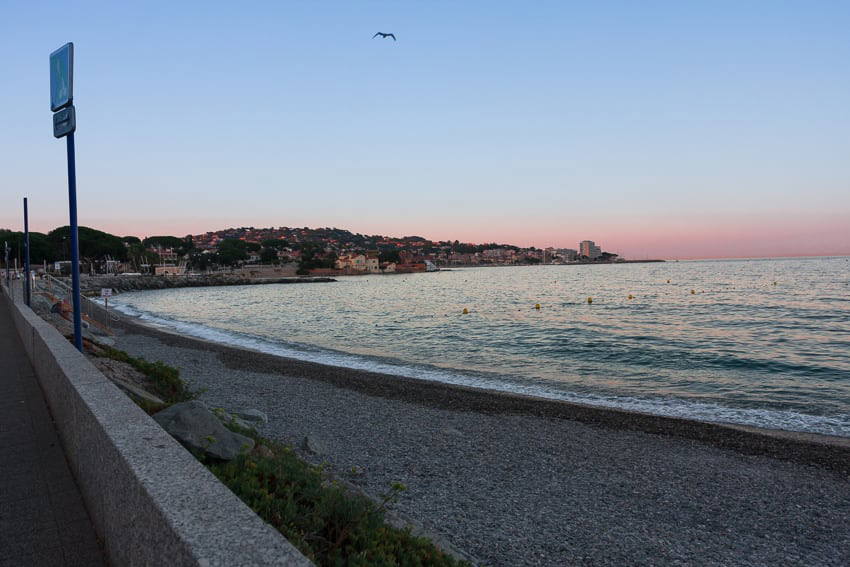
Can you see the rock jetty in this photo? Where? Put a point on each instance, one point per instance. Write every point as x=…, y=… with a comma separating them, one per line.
x=133, y=283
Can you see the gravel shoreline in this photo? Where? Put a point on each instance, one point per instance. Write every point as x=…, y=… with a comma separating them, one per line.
x=514, y=480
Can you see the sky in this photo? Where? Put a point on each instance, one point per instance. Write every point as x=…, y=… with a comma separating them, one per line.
x=657, y=129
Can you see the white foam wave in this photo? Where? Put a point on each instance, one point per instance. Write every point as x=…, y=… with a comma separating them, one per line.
x=669, y=407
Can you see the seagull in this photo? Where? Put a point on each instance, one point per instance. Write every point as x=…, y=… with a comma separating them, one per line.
x=384, y=35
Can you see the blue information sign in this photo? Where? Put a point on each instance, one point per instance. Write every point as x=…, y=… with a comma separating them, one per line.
x=62, y=77
x=64, y=123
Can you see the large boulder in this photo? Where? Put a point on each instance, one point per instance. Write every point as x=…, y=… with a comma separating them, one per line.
x=127, y=378
x=251, y=415
x=198, y=429
x=313, y=445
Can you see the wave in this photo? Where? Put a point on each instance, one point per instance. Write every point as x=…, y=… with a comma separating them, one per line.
x=669, y=407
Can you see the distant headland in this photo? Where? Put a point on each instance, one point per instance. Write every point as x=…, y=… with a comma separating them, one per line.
x=285, y=251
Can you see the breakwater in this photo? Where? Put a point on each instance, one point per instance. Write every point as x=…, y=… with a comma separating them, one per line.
x=135, y=283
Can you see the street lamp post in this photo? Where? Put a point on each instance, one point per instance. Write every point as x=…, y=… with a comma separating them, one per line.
x=8, y=277
x=27, y=284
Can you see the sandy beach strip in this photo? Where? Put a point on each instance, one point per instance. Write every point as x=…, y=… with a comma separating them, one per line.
x=515, y=480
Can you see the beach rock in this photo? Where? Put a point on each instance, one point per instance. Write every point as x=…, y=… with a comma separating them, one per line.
x=199, y=429
x=134, y=390
x=253, y=415
x=313, y=444
x=126, y=377
x=228, y=418
x=41, y=304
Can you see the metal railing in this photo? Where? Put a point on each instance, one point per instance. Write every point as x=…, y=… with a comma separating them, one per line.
x=93, y=311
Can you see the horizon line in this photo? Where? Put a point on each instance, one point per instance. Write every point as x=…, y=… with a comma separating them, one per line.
x=644, y=257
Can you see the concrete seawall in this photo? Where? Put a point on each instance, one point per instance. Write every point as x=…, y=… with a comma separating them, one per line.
x=151, y=502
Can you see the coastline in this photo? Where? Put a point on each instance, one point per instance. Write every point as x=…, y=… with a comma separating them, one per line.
x=513, y=480
x=831, y=452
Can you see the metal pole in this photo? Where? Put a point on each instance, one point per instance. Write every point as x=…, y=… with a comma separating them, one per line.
x=75, y=245
x=28, y=285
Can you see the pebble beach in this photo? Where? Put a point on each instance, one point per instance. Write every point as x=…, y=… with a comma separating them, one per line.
x=513, y=480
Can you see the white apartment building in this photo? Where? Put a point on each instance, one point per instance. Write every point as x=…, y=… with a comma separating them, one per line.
x=590, y=249
x=567, y=254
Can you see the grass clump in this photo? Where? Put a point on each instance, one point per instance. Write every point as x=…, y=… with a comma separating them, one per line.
x=328, y=524
x=165, y=380
x=325, y=523
x=322, y=519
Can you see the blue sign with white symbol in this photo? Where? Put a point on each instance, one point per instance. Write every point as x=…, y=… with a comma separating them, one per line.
x=62, y=77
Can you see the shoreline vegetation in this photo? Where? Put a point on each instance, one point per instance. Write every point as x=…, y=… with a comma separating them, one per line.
x=326, y=519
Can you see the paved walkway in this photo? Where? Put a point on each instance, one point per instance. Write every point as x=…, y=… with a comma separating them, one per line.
x=43, y=520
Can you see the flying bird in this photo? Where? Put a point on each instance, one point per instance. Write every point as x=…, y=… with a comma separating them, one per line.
x=384, y=35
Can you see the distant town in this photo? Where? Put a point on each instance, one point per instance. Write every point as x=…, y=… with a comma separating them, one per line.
x=283, y=251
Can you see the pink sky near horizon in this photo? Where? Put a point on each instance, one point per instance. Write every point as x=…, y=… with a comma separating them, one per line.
x=657, y=236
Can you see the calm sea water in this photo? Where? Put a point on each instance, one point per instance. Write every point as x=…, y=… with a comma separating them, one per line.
x=760, y=342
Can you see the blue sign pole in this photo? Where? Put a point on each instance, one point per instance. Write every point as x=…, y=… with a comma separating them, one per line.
x=75, y=244
x=27, y=284
x=64, y=125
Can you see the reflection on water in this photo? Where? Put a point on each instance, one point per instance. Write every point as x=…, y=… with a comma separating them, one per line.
x=760, y=341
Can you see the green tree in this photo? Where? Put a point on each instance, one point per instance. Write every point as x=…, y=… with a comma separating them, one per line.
x=269, y=256
x=313, y=256
x=202, y=261
x=389, y=255
x=275, y=243
x=41, y=249
x=232, y=251
x=95, y=245
x=138, y=255
x=180, y=245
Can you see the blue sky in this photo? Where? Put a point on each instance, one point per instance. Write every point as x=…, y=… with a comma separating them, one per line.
x=676, y=129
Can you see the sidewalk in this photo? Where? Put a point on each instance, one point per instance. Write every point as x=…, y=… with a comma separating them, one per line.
x=43, y=520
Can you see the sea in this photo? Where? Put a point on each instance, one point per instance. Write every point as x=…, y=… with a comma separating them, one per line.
x=759, y=342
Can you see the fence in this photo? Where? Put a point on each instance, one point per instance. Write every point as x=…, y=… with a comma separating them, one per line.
x=91, y=311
